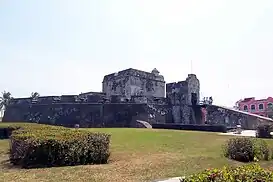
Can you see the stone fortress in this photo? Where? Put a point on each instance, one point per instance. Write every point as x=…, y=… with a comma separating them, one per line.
x=132, y=82
x=128, y=96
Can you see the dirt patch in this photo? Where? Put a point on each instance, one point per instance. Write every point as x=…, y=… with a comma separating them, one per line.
x=126, y=169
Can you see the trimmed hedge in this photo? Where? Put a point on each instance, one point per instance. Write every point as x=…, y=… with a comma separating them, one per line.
x=264, y=130
x=247, y=149
x=246, y=173
x=34, y=145
x=211, y=128
x=6, y=129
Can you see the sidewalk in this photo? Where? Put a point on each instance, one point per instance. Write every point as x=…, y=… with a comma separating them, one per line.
x=249, y=133
x=176, y=179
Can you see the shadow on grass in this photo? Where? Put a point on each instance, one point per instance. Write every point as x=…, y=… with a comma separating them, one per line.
x=4, y=138
x=5, y=164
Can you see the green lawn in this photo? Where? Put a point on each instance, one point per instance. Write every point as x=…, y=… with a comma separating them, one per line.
x=136, y=155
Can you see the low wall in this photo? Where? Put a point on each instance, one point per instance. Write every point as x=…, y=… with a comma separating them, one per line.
x=219, y=115
x=193, y=127
x=84, y=114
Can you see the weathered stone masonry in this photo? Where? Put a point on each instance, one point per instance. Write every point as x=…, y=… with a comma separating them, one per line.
x=219, y=115
x=182, y=97
x=132, y=82
x=127, y=96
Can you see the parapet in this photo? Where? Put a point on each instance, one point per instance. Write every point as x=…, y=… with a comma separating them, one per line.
x=95, y=97
x=192, y=75
x=154, y=75
x=176, y=85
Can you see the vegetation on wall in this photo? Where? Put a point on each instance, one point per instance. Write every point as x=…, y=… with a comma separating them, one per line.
x=34, y=95
x=4, y=101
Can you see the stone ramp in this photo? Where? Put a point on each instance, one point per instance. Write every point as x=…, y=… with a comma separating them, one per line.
x=245, y=113
x=231, y=117
x=144, y=123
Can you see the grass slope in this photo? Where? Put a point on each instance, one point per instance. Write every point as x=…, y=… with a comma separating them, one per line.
x=137, y=155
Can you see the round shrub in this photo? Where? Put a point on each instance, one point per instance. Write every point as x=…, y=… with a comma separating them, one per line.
x=264, y=130
x=246, y=149
x=246, y=173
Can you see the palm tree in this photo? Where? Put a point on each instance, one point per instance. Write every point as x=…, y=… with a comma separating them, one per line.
x=4, y=101
x=237, y=104
x=35, y=95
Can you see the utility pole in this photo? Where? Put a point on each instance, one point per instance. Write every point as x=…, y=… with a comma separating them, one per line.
x=191, y=67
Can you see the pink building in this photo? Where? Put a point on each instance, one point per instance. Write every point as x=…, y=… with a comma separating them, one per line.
x=262, y=107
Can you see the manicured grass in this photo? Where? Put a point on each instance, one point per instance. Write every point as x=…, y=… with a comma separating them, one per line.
x=136, y=155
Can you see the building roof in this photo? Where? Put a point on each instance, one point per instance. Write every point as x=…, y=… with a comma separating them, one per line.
x=248, y=99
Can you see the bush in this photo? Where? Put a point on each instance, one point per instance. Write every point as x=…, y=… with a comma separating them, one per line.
x=6, y=129
x=246, y=173
x=247, y=149
x=50, y=146
x=264, y=130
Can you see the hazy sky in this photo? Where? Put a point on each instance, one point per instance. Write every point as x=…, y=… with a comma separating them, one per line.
x=59, y=47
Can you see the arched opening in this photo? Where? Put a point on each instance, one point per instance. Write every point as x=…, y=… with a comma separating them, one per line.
x=252, y=107
x=261, y=106
x=193, y=98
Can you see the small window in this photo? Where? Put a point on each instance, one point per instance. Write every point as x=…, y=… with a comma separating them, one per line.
x=252, y=107
x=261, y=106
x=269, y=105
x=245, y=108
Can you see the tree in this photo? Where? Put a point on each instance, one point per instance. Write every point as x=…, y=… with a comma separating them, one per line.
x=35, y=95
x=4, y=101
x=237, y=104
x=269, y=110
x=210, y=100
x=207, y=100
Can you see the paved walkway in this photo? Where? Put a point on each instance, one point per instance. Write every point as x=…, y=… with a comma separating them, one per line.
x=177, y=179
x=250, y=133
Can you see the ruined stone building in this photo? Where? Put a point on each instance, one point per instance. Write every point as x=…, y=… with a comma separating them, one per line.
x=132, y=82
x=127, y=96
x=183, y=96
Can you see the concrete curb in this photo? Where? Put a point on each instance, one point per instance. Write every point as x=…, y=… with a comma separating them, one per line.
x=249, y=133
x=176, y=179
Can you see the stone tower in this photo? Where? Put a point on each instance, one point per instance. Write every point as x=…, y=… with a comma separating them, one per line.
x=193, y=89
x=182, y=96
x=132, y=82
